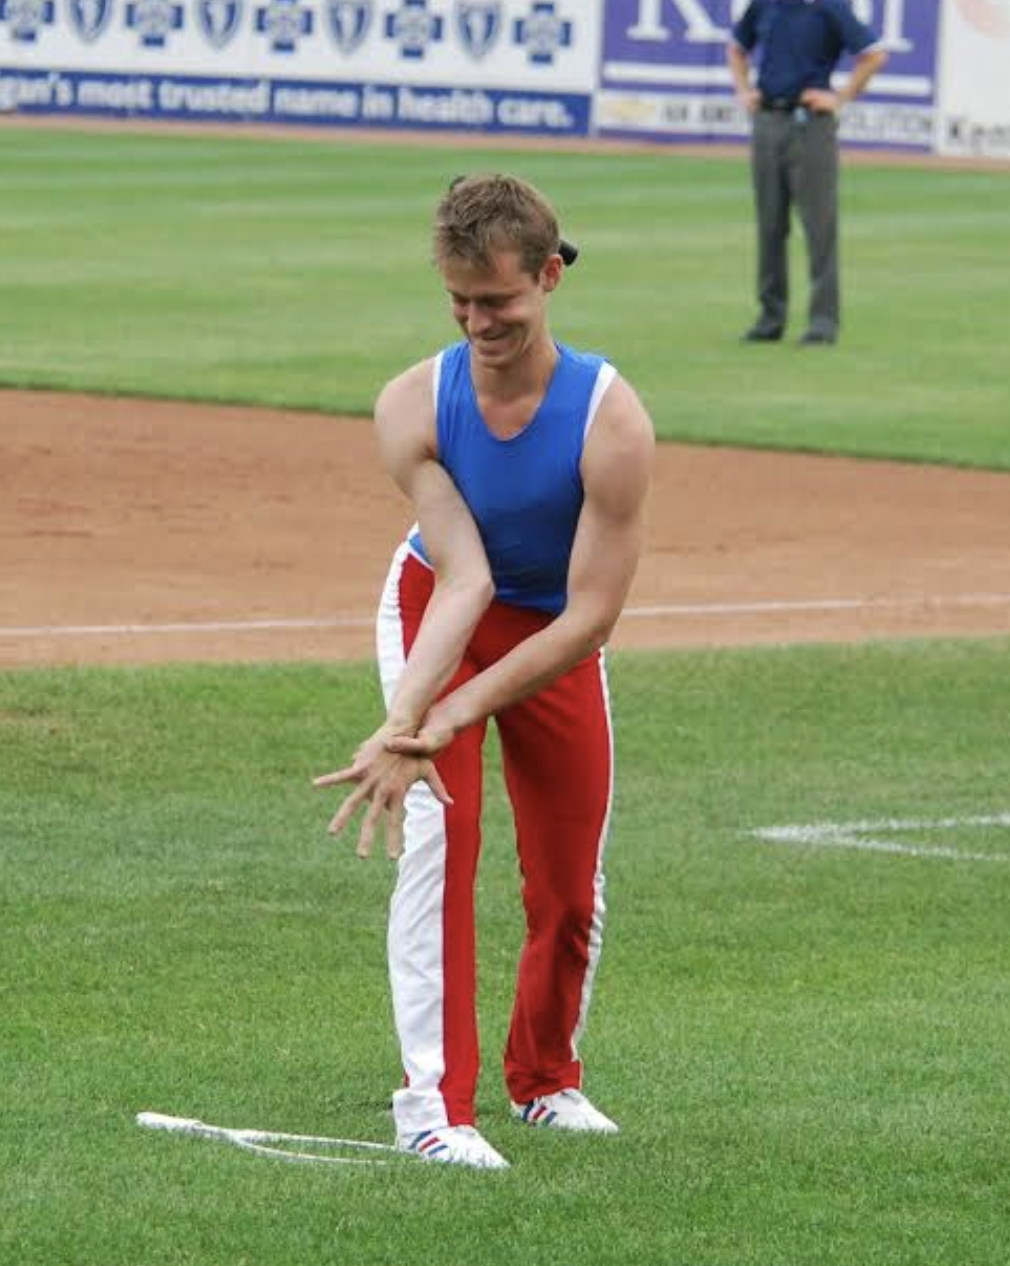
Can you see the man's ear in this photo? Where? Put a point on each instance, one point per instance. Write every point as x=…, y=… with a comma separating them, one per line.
x=550, y=274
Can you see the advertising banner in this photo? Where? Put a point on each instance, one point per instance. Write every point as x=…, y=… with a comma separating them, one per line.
x=974, y=115
x=634, y=69
x=488, y=65
x=664, y=73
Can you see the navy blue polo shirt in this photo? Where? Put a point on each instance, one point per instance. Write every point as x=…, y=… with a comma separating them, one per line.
x=800, y=41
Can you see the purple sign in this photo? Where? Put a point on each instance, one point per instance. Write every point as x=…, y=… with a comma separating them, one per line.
x=663, y=70
x=664, y=35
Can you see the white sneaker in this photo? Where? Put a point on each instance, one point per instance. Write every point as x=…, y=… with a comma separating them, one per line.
x=564, y=1110
x=453, y=1145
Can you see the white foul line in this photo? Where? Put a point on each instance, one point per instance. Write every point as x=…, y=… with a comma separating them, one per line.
x=772, y=607
x=864, y=836
x=190, y=626
x=668, y=611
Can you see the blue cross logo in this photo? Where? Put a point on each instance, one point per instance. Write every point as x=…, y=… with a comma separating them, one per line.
x=413, y=28
x=154, y=20
x=283, y=22
x=543, y=33
x=26, y=18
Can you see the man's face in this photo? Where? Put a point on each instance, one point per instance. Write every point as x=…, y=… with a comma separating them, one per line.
x=501, y=310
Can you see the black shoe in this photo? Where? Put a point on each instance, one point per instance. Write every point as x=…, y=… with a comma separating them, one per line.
x=817, y=338
x=763, y=334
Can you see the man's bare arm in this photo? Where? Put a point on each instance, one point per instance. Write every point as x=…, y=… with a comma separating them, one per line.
x=405, y=427
x=616, y=466
x=462, y=591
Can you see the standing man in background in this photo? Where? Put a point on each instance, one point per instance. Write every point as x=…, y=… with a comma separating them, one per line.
x=794, y=144
x=527, y=465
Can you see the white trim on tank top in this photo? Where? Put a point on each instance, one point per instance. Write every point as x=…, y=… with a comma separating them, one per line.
x=604, y=378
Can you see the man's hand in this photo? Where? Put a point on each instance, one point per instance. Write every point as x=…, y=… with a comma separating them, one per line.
x=821, y=100
x=749, y=98
x=383, y=778
x=430, y=739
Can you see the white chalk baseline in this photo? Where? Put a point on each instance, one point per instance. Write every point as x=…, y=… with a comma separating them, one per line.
x=880, y=836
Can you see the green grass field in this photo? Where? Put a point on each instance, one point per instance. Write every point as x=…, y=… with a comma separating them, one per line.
x=806, y=1046
x=294, y=272
x=804, y=1036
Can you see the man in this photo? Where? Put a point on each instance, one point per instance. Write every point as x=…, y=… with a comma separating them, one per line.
x=794, y=144
x=527, y=464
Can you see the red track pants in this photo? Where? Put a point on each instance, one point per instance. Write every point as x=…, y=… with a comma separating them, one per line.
x=557, y=755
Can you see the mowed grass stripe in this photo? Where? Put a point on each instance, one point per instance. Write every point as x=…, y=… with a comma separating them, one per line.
x=805, y=1046
x=294, y=273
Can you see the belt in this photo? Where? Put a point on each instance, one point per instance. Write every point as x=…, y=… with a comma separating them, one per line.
x=779, y=105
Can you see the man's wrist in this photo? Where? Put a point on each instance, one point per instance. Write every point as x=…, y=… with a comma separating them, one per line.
x=440, y=718
x=402, y=723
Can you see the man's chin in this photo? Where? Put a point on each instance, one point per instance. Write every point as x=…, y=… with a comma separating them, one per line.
x=493, y=352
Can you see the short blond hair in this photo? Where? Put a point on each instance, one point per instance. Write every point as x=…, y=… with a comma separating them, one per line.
x=482, y=215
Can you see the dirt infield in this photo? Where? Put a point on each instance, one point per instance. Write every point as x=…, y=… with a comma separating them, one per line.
x=134, y=531
x=137, y=531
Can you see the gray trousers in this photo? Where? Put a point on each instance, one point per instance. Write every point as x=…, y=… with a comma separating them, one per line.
x=795, y=160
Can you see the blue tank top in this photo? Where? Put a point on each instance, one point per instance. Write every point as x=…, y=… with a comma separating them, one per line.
x=525, y=493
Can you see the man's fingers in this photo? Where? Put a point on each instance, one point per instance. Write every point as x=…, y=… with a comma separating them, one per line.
x=428, y=741
x=407, y=745
x=368, y=825
x=394, y=830
x=434, y=781
x=384, y=796
x=334, y=780
x=346, y=811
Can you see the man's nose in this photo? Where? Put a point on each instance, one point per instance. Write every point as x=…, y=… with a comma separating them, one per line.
x=477, y=318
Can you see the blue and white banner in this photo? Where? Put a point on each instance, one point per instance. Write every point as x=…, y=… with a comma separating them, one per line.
x=303, y=101
x=664, y=74
x=492, y=65
x=648, y=69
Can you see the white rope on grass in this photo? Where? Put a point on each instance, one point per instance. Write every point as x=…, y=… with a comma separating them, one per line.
x=259, y=1141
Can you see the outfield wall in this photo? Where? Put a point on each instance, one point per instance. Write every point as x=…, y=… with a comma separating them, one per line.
x=640, y=69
